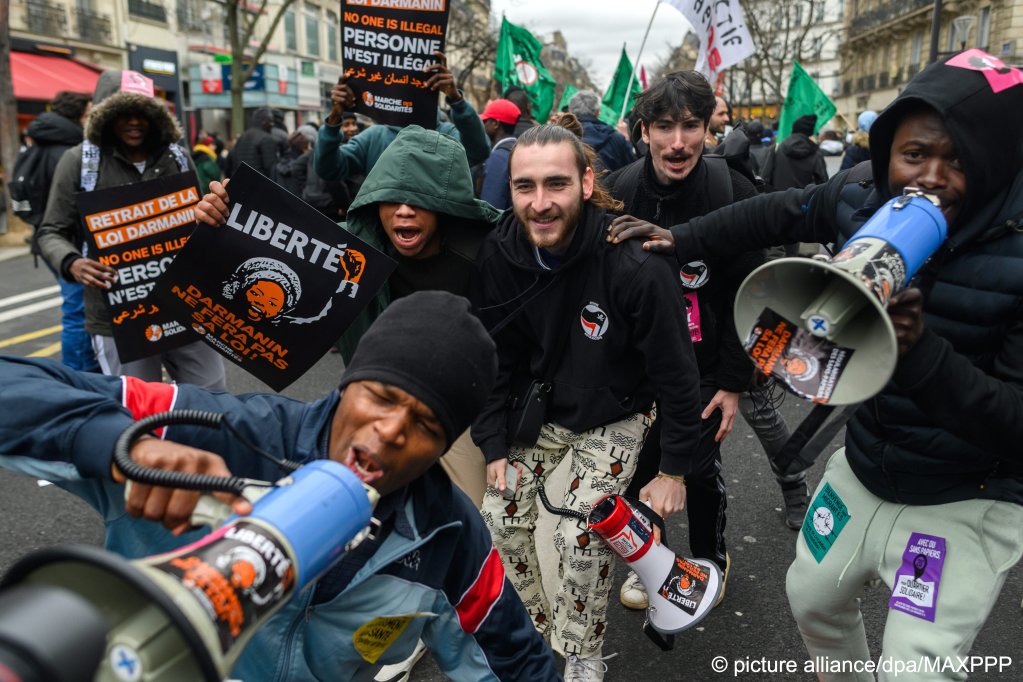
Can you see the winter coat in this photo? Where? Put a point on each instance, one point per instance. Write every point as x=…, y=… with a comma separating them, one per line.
x=857, y=152
x=435, y=564
x=424, y=169
x=336, y=159
x=620, y=307
x=53, y=134
x=256, y=147
x=496, y=191
x=948, y=426
x=613, y=149
x=60, y=234
x=796, y=162
x=205, y=160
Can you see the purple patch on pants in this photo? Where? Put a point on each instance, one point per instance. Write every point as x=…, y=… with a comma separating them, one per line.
x=915, y=589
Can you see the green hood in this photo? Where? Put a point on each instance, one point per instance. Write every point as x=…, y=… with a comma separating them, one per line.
x=426, y=169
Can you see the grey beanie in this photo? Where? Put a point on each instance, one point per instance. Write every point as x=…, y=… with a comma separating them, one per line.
x=430, y=345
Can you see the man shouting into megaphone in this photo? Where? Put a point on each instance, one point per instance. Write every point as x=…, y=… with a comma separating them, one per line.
x=411, y=388
x=931, y=465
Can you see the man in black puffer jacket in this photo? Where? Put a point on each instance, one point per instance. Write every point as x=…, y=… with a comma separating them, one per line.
x=928, y=490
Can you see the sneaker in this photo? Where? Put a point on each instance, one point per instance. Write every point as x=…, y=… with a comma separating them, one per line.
x=633, y=594
x=585, y=669
x=724, y=578
x=797, y=500
x=400, y=672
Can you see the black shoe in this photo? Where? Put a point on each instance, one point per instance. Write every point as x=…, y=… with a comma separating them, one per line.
x=797, y=500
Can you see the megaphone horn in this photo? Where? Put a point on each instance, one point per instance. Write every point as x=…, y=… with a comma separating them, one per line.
x=820, y=325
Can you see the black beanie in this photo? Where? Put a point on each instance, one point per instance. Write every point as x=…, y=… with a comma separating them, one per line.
x=805, y=124
x=430, y=345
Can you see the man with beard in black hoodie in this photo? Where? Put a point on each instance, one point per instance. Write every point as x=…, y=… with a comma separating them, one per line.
x=592, y=322
x=674, y=182
x=56, y=131
x=927, y=493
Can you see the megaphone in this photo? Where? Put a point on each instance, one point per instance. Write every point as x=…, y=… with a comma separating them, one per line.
x=681, y=591
x=820, y=325
x=187, y=614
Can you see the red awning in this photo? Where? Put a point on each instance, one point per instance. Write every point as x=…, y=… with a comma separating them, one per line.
x=41, y=77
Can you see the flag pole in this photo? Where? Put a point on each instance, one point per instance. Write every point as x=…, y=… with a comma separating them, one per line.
x=632, y=76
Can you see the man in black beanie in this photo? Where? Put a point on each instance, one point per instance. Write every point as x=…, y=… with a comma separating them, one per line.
x=797, y=161
x=431, y=573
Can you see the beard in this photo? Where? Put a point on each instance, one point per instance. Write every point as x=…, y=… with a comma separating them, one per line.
x=554, y=239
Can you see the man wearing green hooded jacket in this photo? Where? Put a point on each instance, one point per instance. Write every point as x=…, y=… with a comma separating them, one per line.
x=417, y=206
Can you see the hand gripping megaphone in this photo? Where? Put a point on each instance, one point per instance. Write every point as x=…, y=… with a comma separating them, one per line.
x=681, y=591
x=187, y=614
x=820, y=325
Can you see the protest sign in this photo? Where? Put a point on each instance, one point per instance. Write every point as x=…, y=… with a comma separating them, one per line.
x=721, y=27
x=386, y=45
x=273, y=288
x=137, y=230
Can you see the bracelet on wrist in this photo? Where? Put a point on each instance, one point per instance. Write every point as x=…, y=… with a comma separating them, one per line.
x=680, y=479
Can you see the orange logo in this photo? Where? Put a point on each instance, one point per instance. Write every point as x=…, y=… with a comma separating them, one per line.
x=353, y=263
x=154, y=332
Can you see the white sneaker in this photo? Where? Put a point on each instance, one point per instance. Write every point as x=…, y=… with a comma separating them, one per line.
x=585, y=669
x=399, y=672
x=633, y=594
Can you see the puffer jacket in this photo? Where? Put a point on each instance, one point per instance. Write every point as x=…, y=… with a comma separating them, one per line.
x=948, y=426
x=425, y=169
x=60, y=234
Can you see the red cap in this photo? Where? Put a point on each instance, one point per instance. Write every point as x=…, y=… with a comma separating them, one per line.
x=502, y=110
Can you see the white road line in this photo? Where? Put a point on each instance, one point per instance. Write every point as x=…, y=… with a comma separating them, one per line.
x=28, y=296
x=31, y=308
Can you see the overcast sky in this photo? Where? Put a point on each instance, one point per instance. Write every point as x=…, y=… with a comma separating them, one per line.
x=596, y=29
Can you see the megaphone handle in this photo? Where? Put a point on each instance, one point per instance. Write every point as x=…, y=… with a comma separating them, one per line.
x=654, y=517
x=209, y=511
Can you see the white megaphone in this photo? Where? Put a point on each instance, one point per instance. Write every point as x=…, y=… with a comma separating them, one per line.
x=187, y=614
x=820, y=325
x=681, y=591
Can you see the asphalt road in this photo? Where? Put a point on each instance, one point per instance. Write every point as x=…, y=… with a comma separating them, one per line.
x=753, y=625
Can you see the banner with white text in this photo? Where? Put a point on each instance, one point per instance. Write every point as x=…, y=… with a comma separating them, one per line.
x=386, y=47
x=276, y=286
x=137, y=230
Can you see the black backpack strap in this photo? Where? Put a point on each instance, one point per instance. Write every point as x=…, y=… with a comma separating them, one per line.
x=719, y=182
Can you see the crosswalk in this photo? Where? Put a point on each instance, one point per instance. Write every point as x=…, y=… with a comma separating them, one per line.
x=24, y=305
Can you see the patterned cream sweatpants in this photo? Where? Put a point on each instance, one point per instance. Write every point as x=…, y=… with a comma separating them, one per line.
x=602, y=462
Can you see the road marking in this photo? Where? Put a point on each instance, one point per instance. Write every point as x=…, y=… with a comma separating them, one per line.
x=30, y=308
x=28, y=296
x=46, y=352
x=31, y=335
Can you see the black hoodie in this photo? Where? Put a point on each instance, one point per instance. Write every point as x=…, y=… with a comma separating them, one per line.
x=54, y=134
x=614, y=361
x=949, y=424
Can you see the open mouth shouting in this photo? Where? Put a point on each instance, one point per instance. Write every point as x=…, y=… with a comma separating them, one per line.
x=407, y=238
x=363, y=464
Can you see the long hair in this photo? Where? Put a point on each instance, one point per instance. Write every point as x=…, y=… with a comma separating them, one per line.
x=585, y=157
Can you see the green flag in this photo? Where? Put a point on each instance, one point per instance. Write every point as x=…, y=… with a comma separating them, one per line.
x=518, y=63
x=614, y=96
x=803, y=98
x=566, y=95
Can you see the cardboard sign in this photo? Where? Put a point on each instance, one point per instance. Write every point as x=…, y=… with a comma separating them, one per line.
x=137, y=229
x=273, y=288
x=386, y=45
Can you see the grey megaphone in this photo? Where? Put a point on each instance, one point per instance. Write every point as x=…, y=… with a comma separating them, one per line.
x=819, y=325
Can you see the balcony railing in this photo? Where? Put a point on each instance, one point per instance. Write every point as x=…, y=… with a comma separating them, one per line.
x=46, y=18
x=93, y=26
x=884, y=14
x=147, y=10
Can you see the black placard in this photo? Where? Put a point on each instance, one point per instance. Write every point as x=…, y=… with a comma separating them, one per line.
x=386, y=44
x=276, y=286
x=138, y=229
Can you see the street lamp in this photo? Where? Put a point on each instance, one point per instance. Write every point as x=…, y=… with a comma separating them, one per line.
x=961, y=27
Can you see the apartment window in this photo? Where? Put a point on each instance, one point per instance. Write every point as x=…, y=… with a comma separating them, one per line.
x=312, y=30
x=332, y=35
x=918, y=40
x=308, y=69
x=819, y=11
x=984, y=30
x=290, y=37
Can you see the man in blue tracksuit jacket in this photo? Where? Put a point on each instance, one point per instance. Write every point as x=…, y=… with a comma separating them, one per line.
x=411, y=388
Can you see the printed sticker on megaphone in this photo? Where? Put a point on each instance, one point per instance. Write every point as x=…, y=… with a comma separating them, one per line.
x=685, y=585
x=809, y=365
